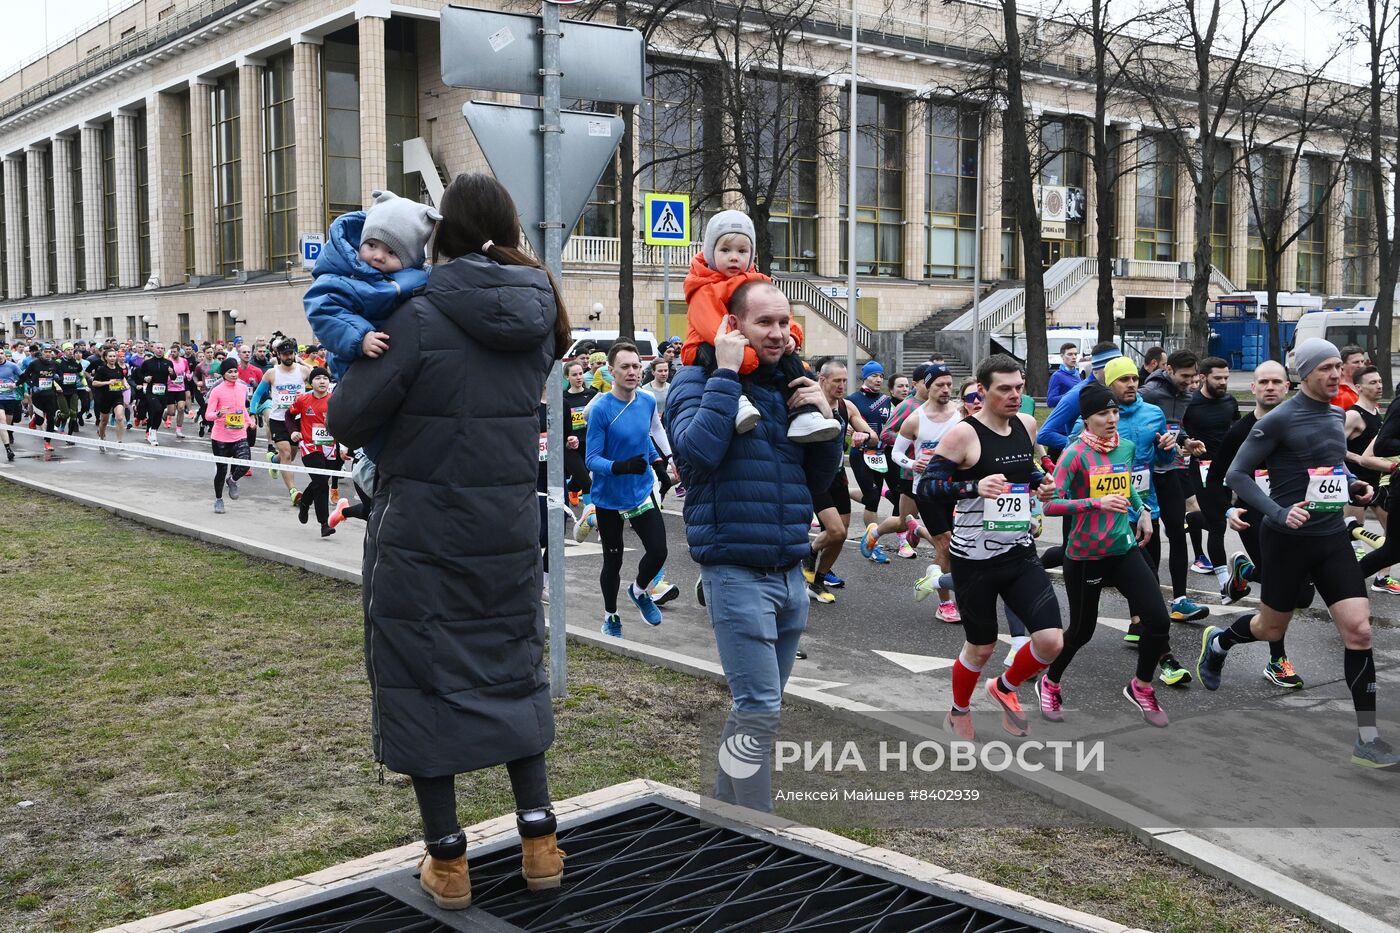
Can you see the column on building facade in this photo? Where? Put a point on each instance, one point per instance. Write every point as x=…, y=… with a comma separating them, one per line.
x=374, y=133
x=1185, y=210
x=128, y=247
x=989, y=173
x=14, y=229
x=1126, y=211
x=1239, y=227
x=38, y=222
x=201, y=176
x=1336, y=232
x=94, y=256
x=165, y=184
x=829, y=227
x=1091, y=216
x=1288, y=262
x=63, y=233
x=916, y=187
x=252, y=164
x=306, y=112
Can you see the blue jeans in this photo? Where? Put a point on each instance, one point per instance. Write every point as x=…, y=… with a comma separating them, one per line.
x=758, y=619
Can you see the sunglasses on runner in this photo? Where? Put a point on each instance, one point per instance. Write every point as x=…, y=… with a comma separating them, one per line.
x=972, y=397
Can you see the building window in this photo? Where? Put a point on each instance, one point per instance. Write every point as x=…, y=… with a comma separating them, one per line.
x=186, y=183
x=228, y=178
x=1063, y=143
x=131, y=327
x=1156, y=201
x=879, y=184
x=1312, y=238
x=1266, y=178
x=1358, y=218
x=401, y=102
x=1220, y=215
x=51, y=244
x=184, y=328
x=79, y=243
x=673, y=134
x=279, y=132
x=951, y=200
x=599, y=216
x=23, y=239
x=792, y=213
x=143, y=204
x=109, y=202
x=340, y=82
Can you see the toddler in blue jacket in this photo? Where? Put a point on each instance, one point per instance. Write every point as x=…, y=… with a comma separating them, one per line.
x=372, y=262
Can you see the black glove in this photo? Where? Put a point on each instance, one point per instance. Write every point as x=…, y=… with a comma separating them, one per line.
x=635, y=465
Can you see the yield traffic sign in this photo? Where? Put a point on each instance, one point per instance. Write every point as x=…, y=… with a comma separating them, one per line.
x=668, y=219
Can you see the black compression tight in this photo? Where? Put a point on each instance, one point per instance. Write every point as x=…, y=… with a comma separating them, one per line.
x=362, y=506
x=1129, y=574
x=1171, y=498
x=1383, y=556
x=651, y=529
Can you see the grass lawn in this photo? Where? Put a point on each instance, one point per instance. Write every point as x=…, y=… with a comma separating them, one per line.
x=189, y=723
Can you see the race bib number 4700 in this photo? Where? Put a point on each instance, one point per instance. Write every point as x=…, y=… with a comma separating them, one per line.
x=1112, y=480
x=1010, y=511
x=1327, y=489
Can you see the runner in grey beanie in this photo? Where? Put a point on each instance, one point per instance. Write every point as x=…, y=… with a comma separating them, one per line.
x=723, y=224
x=1312, y=352
x=402, y=225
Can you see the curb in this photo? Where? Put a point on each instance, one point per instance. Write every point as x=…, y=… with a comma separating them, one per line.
x=1184, y=846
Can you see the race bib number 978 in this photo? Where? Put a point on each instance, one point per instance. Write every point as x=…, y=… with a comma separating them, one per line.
x=1010, y=511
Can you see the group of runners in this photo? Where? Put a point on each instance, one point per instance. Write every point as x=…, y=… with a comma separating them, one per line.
x=1126, y=459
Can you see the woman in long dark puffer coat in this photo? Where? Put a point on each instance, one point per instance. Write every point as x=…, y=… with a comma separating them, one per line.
x=454, y=633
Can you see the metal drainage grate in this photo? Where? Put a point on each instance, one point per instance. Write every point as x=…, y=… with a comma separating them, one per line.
x=650, y=866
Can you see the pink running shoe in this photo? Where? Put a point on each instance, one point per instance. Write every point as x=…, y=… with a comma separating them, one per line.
x=338, y=514
x=948, y=612
x=905, y=548
x=1145, y=699
x=1049, y=695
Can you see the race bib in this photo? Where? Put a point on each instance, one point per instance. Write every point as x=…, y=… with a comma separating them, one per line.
x=233, y=419
x=1204, y=467
x=1327, y=489
x=320, y=436
x=640, y=510
x=1142, y=481
x=157, y=389
x=875, y=459
x=1262, y=478
x=1111, y=480
x=6, y=388
x=177, y=385
x=577, y=421
x=116, y=385
x=284, y=395
x=1010, y=511
x=70, y=379
x=544, y=446
x=45, y=383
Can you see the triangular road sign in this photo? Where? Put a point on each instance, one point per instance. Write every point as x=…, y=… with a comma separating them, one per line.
x=918, y=663
x=510, y=139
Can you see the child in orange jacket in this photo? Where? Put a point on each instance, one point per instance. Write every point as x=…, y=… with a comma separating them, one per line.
x=726, y=263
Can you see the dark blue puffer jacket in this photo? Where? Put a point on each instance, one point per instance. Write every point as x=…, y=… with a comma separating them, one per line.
x=350, y=297
x=747, y=500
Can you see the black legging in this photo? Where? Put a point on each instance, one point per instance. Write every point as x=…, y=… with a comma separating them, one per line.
x=238, y=450
x=1171, y=499
x=1212, y=516
x=576, y=470
x=155, y=410
x=437, y=797
x=361, y=509
x=1385, y=555
x=1129, y=574
x=651, y=529
x=319, y=487
x=46, y=404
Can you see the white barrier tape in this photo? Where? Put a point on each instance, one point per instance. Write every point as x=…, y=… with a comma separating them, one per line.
x=553, y=501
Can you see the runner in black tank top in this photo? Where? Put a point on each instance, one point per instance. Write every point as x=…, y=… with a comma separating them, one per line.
x=986, y=463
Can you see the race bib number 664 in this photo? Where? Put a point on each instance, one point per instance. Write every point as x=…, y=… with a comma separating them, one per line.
x=1327, y=489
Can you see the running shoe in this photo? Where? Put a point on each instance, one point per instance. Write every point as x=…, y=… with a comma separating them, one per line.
x=151, y=439
x=296, y=496
x=1359, y=550
x=1241, y=568
x=960, y=724
x=1202, y=564
x=1145, y=699
x=878, y=555
x=10, y=452
x=832, y=580
x=575, y=498
x=699, y=593
x=650, y=614
x=612, y=625
x=1171, y=673
x=233, y=489
x=800, y=655
x=664, y=592
x=1210, y=662
x=272, y=458
x=1051, y=709
x=338, y=513
x=48, y=446
x=585, y=524
x=926, y=585
x=1368, y=538
x=1186, y=609
x=905, y=549
x=809, y=566
x=911, y=530
x=327, y=531
x=304, y=511
x=1385, y=585
x=1016, y=642
x=1280, y=673
x=1134, y=633
x=218, y=506
x=869, y=541
x=679, y=491
x=179, y=434
x=948, y=612
x=818, y=593
x=1013, y=720
x=1376, y=753
x=1232, y=592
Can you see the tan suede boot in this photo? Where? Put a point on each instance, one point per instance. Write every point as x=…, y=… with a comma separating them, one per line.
x=446, y=881
x=542, y=862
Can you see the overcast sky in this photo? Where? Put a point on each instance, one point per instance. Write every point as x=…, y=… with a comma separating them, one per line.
x=1300, y=28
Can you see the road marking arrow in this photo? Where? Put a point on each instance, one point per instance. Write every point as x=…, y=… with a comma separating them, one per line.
x=918, y=663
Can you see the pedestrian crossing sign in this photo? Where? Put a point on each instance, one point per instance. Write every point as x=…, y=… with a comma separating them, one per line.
x=668, y=219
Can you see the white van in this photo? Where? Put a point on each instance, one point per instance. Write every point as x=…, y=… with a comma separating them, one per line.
x=1337, y=327
x=603, y=339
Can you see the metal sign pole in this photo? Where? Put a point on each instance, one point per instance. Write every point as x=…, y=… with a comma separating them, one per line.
x=666, y=293
x=553, y=260
x=977, y=251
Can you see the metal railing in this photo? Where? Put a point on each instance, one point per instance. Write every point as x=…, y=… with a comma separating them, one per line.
x=1005, y=305
x=803, y=291
x=607, y=251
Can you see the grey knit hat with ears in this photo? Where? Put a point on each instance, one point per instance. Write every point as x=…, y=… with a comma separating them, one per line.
x=723, y=224
x=402, y=225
